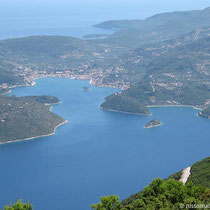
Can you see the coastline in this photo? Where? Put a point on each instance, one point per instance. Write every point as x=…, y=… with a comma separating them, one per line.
x=112, y=110
x=154, y=106
x=6, y=93
x=35, y=137
x=153, y=126
x=50, y=105
x=32, y=78
x=93, y=82
x=188, y=106
x=204, y=116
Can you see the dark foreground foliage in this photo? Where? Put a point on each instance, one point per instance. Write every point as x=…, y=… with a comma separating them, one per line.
x=19, y=206
x=160, y=194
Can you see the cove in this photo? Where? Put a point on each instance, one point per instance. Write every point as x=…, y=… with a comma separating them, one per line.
x=97, y=152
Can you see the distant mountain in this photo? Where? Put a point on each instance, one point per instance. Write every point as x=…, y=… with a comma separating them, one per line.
x=156, y=28
x=194, y=17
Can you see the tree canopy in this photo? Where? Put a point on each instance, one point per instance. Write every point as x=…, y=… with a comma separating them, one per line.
x=19, y=206
x=160, y=194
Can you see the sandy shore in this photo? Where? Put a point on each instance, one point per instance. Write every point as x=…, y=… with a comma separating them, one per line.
x=185, y=175
x=35, y=137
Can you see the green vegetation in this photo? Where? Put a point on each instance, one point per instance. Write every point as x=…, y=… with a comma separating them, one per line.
x=153, y=123
x=26, y=117
x=160, y=194
x=19, y=206
x=200, y=173
x=108, y=202
x=44, y=99
x=177, y=176
x=167, y=194
x=124, y=104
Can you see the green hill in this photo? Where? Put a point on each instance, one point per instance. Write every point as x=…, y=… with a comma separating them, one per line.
x=27, y=117
x=124, y=104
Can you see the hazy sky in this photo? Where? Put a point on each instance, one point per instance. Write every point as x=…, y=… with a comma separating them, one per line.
x=116, y=8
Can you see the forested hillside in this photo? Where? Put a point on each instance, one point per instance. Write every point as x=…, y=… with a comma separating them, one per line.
x=26, y=117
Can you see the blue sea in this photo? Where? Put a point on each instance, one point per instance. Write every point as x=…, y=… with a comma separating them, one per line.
x=97, y=152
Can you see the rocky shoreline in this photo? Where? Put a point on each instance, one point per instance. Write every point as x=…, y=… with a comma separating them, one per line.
x=204, y=116
x=153, y=123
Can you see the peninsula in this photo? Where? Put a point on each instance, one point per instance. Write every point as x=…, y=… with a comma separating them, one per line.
x=153, y=123
x=24, y=118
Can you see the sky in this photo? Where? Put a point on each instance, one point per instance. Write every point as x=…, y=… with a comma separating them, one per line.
x=117, y=9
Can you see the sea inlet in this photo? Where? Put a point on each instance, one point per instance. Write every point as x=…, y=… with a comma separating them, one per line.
x=97, y=152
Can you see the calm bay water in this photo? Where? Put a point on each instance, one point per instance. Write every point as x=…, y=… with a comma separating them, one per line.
x=98, y=152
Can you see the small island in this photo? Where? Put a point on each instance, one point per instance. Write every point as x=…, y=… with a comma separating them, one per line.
x=153, y=123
